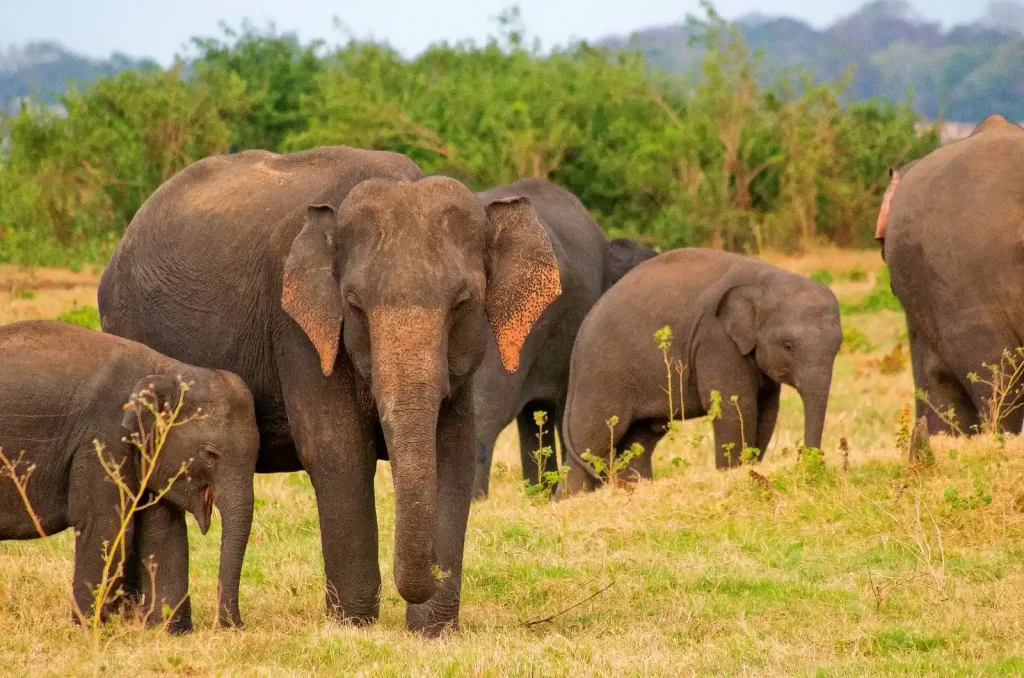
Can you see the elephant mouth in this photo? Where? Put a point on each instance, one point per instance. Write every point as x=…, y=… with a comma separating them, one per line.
x=205, y=513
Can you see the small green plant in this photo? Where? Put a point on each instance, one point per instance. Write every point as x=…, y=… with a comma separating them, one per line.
x=811, y=463
x=86, y=316
x=748, y=454
x=948, y=415
x=614, y=464
x=547, y=481
x=855, y=341
x=663, y=338
x=822, y=276
x=968, y=503
x=1006, y=384
x=903, y=429
x=24, y=293
x=855, y=274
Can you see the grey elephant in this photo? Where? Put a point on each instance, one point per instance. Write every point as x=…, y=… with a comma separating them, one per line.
x=353, y=295
x=741, y=327
x=588, y=264
x=62, y=387
x=949, y=228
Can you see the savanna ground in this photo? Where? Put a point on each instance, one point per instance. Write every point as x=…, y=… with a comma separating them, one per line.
x=860, y=566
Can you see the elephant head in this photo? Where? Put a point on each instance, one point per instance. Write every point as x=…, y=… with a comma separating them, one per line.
x=217, y=443
x=408, y=276
x=790, y=325
x=621, y=256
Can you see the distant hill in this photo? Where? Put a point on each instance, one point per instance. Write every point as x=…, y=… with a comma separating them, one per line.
x=44, y=70
x=966, y=72
x=969, y=71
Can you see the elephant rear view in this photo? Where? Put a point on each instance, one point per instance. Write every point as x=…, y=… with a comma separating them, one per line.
x=741, y=327
x=951, y=231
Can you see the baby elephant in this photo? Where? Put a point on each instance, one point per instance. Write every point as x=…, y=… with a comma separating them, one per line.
x=63, y=387
x=741, y=327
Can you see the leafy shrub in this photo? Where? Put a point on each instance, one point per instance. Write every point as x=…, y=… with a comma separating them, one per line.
x=822, y=276
x=855, y=341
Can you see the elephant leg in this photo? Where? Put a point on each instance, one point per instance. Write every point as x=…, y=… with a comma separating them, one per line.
x=767, y=415
x=496, y=398
x=454, y=494
x=94, y=512
x=645, y=433
x=528, y=431
x=335, y=444
x=482, y=471
x=161, y=545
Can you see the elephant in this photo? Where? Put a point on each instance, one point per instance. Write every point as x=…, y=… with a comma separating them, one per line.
x=353, y=295
x=741, y=327
x=65, y=386
x=949, y=231
x=588, y=265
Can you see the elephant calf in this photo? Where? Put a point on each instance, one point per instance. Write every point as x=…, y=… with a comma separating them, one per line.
x=63, y=387
x=742, y=327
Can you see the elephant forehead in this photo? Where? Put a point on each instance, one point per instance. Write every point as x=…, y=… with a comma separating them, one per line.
x=400, y=207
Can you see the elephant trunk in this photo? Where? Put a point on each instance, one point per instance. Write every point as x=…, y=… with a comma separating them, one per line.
x=234, y=500
x=815, y=399
x=410, y=380
x=412, y=449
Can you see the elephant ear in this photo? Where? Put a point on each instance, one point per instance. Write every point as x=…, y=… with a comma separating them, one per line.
x=158, y=391
x=737, y=311
x=309, y=292
x=522, y=275
x=883, y=213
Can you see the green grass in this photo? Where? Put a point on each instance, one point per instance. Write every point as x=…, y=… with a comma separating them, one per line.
x=86, y=316
x=713, y=572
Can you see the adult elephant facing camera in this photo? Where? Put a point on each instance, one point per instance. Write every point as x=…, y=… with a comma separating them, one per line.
x=353, y=296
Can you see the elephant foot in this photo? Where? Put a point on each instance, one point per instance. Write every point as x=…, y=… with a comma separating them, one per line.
x=436, y=617
x=428, y=622
x=353, y=616
x=180, y=627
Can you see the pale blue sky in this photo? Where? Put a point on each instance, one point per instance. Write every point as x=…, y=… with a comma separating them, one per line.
x=159, y=28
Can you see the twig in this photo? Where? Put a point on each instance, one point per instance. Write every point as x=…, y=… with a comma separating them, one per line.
x=552, y=617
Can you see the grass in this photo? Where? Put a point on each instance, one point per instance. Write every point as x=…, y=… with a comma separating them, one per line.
x=814, y=571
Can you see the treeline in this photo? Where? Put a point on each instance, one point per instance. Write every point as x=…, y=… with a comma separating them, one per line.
x=711, y=159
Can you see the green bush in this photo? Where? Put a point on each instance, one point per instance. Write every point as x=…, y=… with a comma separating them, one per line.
x=714, y=158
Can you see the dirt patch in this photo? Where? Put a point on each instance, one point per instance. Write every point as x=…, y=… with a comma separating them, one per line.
x=43, y=293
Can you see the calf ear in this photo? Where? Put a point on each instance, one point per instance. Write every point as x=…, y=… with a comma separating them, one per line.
x=522, y=275
x=883, y=213
x=737, y=311
x=309, y=292
x=158, y=391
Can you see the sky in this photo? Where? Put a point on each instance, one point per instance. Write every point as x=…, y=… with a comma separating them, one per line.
x=160, y=29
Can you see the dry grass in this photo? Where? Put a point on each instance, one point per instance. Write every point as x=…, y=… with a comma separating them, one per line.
x=815, y=570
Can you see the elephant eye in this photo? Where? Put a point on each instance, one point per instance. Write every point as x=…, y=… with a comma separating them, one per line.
x=353, y=301
x=788, y=345
x=461, y=298
x=210, y=453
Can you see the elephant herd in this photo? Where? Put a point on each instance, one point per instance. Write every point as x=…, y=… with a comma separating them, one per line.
x=334, y=307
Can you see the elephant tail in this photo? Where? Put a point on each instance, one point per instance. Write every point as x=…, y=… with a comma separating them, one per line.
x=568, y=450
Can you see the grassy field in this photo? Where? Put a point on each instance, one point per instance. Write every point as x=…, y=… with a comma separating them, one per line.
x=860, y=566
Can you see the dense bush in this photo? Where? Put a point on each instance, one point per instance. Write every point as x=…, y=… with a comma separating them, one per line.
x=715, y=159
